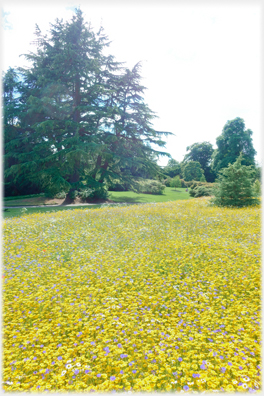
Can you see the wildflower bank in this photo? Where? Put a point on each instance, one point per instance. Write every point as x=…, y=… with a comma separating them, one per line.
x=149, y=297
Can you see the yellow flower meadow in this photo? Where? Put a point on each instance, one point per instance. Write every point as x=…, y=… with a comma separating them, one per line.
x=146, y=297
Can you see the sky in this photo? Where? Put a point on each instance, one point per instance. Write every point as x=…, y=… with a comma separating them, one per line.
x=201, y=61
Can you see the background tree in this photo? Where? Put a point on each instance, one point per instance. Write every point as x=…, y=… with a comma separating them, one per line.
x=82, y=114
x=192, y=171
x=172, y=168
x=233, y=140
x=202, y=152
x=175, y=182
x=235, y=185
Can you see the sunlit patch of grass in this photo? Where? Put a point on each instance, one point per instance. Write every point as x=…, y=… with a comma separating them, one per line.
x=146, y=297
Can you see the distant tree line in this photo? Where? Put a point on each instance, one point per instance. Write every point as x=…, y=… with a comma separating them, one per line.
x=203, y=163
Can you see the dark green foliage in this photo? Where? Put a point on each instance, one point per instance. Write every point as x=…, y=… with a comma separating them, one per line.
x=81, y=119
x=233, y=140
x=173, y=168
x=202, y=153
x=234, y=185
x=167, y=181
x=192, y=171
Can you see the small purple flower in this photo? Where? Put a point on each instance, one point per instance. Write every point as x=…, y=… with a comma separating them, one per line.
x=59, y=358
x=203, y=367
x=92, y=343
x=59, y=345
x=94, y=357
x=112, y=378
x=119, y=345
x=121, y=372
x=191, y=338
x=98, y=375
x=223, y=369
x=76, y=372
x=240, y=368
x=186, y=387
x=87, y=371
x=180, y=359
x=134, y=371
x=229, y=364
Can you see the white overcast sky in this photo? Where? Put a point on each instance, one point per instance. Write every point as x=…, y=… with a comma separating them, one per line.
x=201, y=61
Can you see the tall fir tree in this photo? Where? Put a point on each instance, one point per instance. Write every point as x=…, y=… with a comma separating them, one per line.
x=234, y=186
x=83, y=114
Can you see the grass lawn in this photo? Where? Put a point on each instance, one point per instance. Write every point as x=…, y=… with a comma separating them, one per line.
x=140, y=298
x=170, y=194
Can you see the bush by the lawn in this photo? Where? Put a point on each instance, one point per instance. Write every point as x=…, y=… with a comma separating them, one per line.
x=149, y=186
x=201, y=191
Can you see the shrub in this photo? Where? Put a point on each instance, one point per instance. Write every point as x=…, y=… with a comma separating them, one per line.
x=201, y=191
x=183, y=183
x=51, y=191
x=151, y=187
x=84, y=194
x=61, y=195
x=117, y=186
x=234, y=186
x=167, y=182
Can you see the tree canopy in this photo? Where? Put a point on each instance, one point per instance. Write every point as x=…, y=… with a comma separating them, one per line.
x=192, y=171
x=172, y=168
x=235, y=138
x=202, y=153
x=81, y=120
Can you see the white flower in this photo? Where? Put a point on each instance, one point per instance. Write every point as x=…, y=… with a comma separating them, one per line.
x=244, y=386
x=63, y=373
x=69, y=361
x=78, y=364
x=190, y=383
x=234, y=382
x=246, y=379
x=68, y=366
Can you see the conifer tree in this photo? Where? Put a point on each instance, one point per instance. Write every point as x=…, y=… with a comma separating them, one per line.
x=234, y=185
x=83, y=113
